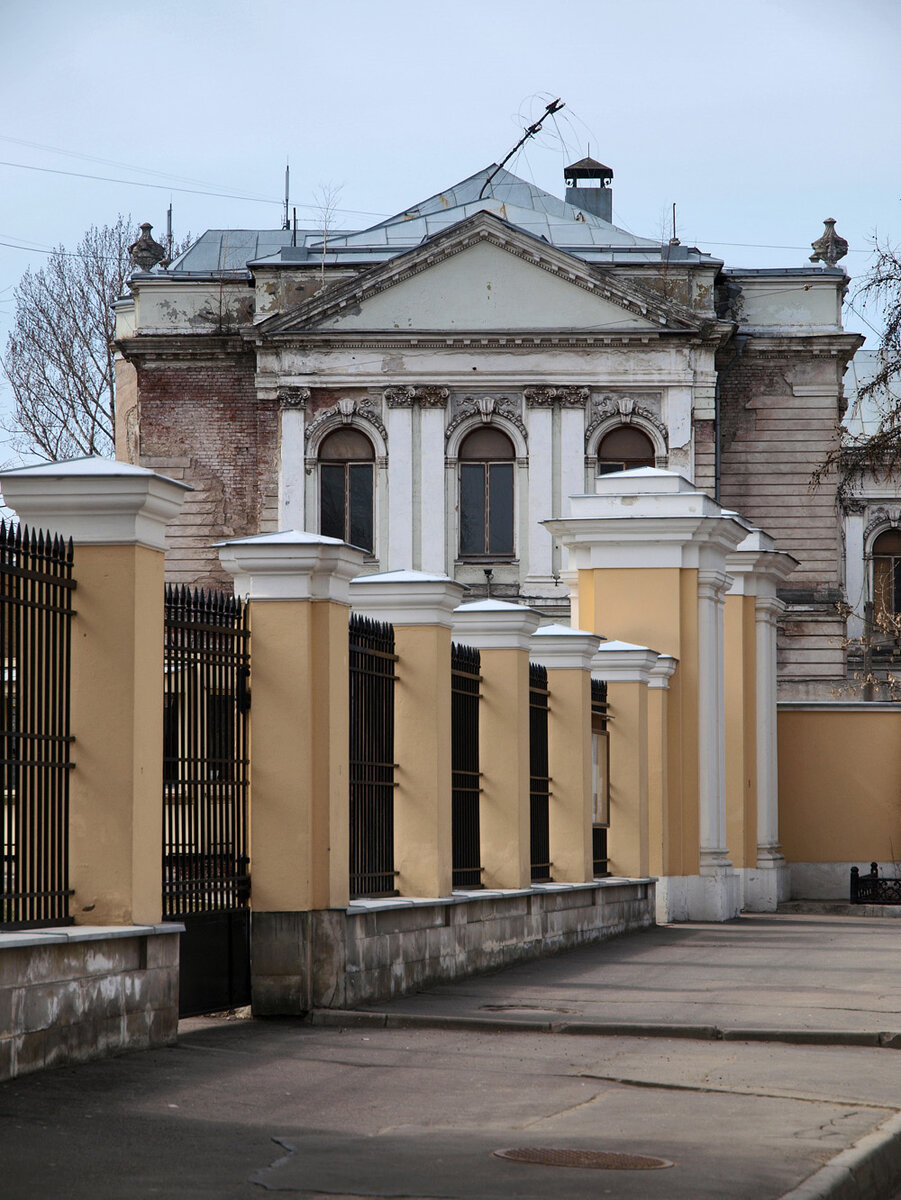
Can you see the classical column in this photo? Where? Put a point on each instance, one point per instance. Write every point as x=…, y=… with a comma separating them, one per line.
x=567, y=655
x=116, y=515
x=769, y=852
x=432, y=402
x=399, y=424
x=420, y=607
x=711, y=727
x=541, y=492
x=292, y=401
x=502, y=633
x=659, y=833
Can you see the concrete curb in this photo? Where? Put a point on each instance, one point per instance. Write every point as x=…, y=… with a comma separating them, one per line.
x=332, y=1017
x=868, y=1170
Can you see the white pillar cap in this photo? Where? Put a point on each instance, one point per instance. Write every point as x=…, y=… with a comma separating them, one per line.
x=291, y=565
x=495, y=625
x=662, y=671
x=406, y=597
x=756, y=567
x=95, y=501
x=560, y=648
x=623, y=662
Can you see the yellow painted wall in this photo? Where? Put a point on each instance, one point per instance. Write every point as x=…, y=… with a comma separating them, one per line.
x=840, y=784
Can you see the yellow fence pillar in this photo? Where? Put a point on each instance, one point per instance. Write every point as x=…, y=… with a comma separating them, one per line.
x=116, y=516
x=297, y=585
x=567, y=654
x=501, y=632
x=649, y=553
x=420, y=608
x=626, y=668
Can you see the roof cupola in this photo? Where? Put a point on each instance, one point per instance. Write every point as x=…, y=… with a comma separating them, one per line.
x=588, y=187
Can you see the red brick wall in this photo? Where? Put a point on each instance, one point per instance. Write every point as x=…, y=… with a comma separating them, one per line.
x=201, y=422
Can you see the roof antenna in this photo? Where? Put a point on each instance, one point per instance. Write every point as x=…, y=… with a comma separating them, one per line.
x=169, y=234
x=286, y=224
x=553, y=107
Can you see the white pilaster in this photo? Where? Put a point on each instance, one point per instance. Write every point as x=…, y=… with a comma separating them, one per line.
x=291, y=470
x=399, y=424
x=541, y=493
x=432, y=523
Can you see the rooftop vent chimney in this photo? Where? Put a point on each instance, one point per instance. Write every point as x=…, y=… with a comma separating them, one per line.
x=588, y=188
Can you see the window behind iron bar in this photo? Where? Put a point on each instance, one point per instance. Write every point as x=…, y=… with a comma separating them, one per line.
x=486, y=494
x=347, y=488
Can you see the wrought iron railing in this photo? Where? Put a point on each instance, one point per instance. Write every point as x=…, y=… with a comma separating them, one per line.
x=35, y=635
x=205, y=760
x=372, y=677
x=874, y=888
x=465, y=839
x=540, y=783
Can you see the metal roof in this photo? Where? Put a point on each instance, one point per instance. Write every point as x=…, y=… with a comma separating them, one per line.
x=514, y=200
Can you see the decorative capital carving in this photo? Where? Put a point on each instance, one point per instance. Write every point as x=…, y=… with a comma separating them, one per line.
x=425, y=395
x=566, y=397
x=830, y=247
x=293, y=397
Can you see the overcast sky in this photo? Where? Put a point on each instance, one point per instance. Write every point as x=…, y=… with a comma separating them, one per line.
x=757, y=119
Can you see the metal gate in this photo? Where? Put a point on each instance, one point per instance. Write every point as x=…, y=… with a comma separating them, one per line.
x=465, y=839
x=206, y=879
x=540, y=784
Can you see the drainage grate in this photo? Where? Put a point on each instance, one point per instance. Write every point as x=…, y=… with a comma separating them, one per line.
x=594, y=1159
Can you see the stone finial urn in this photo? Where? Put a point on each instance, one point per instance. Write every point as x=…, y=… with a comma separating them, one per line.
x=145, y=252
x=830, y=247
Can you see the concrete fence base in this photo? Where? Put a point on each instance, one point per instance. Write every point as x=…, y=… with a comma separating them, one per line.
x=377, y=949
x=76, y=993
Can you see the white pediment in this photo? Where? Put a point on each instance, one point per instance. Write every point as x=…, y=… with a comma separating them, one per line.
x=484, y=287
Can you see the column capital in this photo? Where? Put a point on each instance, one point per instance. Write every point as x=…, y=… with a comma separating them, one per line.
x=768, y=609
x=623, y=662
x=560, y=648
x=495, y=625
x=713, y=585
x=756, y=566
x=95, y=501
x=291, y=565
x=662, y=671
x=407, y=597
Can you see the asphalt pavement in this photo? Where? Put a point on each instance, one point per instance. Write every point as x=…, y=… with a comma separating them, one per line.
x=752, y=1060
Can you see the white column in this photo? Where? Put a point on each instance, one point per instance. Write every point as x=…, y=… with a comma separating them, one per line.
x=541, y=493
x=711, y=722
x=769, y=852
x=399, y=424
x=291, y=467
x=856, y=587
x=432, y=523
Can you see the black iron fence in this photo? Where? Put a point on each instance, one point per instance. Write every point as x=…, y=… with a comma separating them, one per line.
x=540, y=784
x=205, y=764
x=600, y=764
x=372, y=678
x=466, y=847
x=35, y=630
x=874, y=888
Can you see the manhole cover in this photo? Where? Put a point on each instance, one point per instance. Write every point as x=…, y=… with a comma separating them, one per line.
x=595, y=1159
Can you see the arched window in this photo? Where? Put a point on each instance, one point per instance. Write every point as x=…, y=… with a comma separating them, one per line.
x=623, y=448
x=346, y=488
x=486, y=494
x=887, y=574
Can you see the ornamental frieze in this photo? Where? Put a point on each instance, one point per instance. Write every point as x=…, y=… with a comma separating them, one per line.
x=425, y=395
x=566, y=397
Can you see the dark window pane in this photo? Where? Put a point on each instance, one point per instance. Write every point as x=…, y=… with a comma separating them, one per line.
x=896, y=571
x=627, y=442
x=360, y=531
x=500, y=508
x=888, y=542
x=331, y=501
x=472, y=508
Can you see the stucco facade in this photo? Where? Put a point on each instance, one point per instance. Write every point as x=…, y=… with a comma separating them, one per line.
x=514, y=312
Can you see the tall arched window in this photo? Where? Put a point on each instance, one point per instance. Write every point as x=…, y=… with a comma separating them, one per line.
x=486, y=494
x=623, y=448
x=346, y=488
x=887, y=574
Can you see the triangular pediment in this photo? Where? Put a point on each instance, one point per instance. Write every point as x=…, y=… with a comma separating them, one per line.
x=484, y=275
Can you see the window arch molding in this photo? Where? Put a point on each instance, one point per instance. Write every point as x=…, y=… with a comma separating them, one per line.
x=460, y=432
x=615, y=421
x=333, y=419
